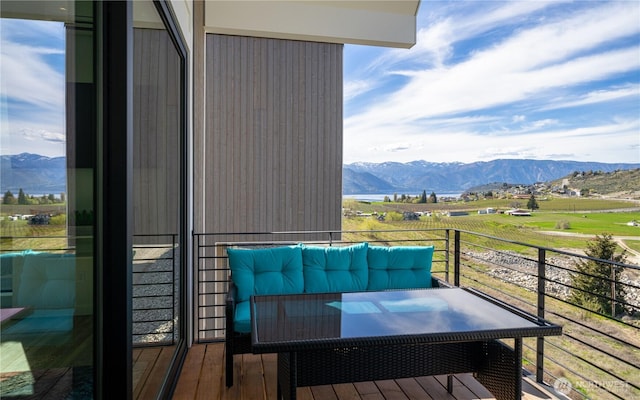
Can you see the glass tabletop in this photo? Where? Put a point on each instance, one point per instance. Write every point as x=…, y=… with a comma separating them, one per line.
x=443, y=313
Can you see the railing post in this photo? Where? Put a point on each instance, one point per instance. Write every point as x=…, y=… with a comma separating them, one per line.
x=613, y=289
x=446, y=254
x=173, y=288
x=456, y=259
x=541, y=297
x=195, y=320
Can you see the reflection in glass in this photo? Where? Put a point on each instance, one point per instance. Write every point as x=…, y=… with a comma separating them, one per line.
x=156, y=200
x=46, y=217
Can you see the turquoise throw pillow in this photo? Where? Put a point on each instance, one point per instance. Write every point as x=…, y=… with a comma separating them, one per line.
x=335, y=269
x=276, y=270
x=399, y=267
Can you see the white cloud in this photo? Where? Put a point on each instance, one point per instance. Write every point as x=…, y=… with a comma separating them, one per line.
x=32, y=79
x=543, y=123
x=32, y=97
x=355, y=88
x=596, y=96
x=550, y=62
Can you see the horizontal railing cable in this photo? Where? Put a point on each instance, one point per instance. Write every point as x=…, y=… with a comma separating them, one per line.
x=584, y=360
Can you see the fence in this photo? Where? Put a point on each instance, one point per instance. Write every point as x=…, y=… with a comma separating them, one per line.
x=155, y=284
x=154, y=277
x=598, y=355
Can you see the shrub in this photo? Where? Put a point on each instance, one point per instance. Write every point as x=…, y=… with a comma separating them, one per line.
x=592, y=282
x=58, y=220
x=563, y=224
x=394, y=216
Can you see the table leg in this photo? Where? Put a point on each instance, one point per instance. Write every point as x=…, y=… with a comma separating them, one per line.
x=501, y=370
x=517, y=347
x=450, y=384
x=287, y=376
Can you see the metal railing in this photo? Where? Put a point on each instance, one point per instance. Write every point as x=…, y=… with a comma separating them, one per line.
x=155, y=280
x=154, y=289
x=598, y=355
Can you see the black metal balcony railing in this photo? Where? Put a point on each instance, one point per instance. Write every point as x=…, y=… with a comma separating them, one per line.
x=154, y=277
x=598, y=355
x=154, y=302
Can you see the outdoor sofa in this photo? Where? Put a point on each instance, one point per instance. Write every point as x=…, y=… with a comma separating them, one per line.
x=315, y=269
x=44, y=285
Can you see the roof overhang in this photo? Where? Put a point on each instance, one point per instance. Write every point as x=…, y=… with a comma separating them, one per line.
x=390, y=23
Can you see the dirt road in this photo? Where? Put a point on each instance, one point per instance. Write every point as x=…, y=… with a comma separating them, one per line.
x=633, y=256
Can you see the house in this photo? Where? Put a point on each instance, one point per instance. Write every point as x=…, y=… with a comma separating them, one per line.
x=457, y=213
x=186, y=116
x=518, y=212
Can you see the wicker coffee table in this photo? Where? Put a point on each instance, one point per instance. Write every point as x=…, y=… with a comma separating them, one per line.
x=334, y=338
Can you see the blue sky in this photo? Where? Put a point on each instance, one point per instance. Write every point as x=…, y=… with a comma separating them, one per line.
x=486, y=80
x=32, y=93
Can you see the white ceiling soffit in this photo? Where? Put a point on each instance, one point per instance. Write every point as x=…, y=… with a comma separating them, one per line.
x=389, y=23
x=54, y=10
x=145, y=15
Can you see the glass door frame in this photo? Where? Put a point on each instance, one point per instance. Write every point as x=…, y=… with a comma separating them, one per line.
x=168, y=18
x=114, y=228
x=114, y=198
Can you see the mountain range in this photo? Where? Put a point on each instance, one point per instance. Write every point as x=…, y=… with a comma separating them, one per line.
x=33, y=173
x=37, y=174
x=414, y=177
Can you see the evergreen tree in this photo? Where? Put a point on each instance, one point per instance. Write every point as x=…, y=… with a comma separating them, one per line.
x=423, y=198
x=592, y=284
x=532, y=204
x=8, y=198
x=433, y=198
x=22, y=199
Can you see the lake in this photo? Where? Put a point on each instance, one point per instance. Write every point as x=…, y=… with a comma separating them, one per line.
x=380, y=197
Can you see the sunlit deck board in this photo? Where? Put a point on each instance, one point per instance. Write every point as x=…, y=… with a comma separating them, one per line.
x=149, y=364
x=203, y=373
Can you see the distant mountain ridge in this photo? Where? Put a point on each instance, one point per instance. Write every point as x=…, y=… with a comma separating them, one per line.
x=33, y=173
x=37, y=174
x=414, y=177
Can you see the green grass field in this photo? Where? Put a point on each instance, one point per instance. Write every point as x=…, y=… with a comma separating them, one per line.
x=595, y=217
x=558, y=204
x=592, y=217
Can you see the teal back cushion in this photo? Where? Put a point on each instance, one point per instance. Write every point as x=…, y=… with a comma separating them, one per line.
x=47, y=281
x=399, y=267
x=7, y=261
x=335, y=269
x=276, y=270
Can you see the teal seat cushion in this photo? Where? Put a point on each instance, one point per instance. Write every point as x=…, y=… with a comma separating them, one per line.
x=242, y=318
x=335, y=269
x=276, y=270
x=399, y=267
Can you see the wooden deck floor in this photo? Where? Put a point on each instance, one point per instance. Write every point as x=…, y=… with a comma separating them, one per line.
x=202, y=377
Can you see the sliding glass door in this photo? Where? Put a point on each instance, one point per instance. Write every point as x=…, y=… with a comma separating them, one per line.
x=47, y=217
x=93, y=199
x=159, y=199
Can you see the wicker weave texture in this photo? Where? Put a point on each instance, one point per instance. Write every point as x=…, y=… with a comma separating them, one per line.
x=357, y=364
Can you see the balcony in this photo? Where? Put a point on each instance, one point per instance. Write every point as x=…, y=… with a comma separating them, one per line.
x=203, y=377
x=598, y=355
